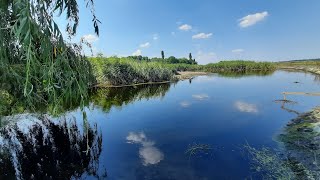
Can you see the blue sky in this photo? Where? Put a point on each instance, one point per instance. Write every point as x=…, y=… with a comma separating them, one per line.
x=211, y=30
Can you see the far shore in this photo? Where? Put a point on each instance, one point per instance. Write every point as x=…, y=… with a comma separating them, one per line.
x=307, y=68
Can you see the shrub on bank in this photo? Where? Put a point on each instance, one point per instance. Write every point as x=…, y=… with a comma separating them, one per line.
x=124, y=71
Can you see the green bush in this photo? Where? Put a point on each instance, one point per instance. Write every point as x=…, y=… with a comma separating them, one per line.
x=125, y=71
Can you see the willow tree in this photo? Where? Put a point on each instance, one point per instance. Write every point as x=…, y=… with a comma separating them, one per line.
x=36, y=65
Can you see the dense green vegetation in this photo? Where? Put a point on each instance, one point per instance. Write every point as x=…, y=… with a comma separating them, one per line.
x=309, y=62
x=169, y=60
x=239, y=66
x=124, y=71
x=130, y=70
x=37, y=67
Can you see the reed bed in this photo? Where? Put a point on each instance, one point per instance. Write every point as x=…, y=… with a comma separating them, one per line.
x=126, y=71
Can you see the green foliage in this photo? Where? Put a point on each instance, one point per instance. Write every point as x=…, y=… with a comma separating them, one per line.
x=124, y=71
x=307, y=62
x=269, y=164
x=36, y=66
x=190, y=57
x=240, y=66
x=170, y=60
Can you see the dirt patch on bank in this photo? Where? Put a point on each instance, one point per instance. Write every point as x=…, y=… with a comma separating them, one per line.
x=311, y=69
x=182, y=75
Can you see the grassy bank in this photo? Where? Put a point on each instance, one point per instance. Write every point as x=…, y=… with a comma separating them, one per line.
x=312, y=66
x=239, y=66
x=126, y=71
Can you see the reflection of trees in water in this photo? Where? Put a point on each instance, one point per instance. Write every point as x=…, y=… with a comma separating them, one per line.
x=110, y=97
x=283, y=103
x=241, y=74
x=317, y=78
x=40, y=148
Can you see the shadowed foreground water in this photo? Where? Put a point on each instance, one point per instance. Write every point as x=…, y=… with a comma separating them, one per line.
x=146, y=132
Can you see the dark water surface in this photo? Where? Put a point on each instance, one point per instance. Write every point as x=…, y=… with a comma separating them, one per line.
x=145, y=132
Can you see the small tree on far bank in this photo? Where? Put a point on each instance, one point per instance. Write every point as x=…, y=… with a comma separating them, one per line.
x=190, y=56
x=162, y=54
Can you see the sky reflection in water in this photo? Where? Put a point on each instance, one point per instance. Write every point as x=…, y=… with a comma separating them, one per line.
x=143, y=132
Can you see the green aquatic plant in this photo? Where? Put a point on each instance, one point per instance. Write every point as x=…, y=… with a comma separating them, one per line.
x=268, y=163
x=300, y=139
x=299, y=157
x=197, y=149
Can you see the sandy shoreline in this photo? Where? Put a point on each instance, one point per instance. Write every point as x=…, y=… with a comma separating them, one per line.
x=311, y=69
x=182, y=75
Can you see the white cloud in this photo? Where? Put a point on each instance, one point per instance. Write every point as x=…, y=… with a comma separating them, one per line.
x=202, y=36
x=205, y=79
x=200, y=97
x=185, y=104
x=185, y=27
x=90, y=38
x=206, y=57
x=137, y=53
x=136, y=137
x=237, y=51
x=145, y=45
x=246, y=107
x=155, y=37
x=252, y=19
x=148, y=153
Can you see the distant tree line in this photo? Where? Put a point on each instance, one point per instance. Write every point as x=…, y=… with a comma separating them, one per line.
x=170, y=60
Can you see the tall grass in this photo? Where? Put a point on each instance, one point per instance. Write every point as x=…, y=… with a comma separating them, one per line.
x=315, y=63
x=239, y=66
x=124, y=71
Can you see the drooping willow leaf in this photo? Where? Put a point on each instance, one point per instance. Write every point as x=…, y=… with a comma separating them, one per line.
x=36, y=65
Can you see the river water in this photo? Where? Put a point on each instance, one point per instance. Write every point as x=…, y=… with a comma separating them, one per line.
x=187, y=130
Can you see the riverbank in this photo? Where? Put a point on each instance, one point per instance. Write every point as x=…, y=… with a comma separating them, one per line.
x=307, y=66
x=183, y=75
x=315, y=70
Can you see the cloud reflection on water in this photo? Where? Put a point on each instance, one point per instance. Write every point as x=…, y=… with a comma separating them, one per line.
x=246, y=107
x=185, y=104
x=149, y=154
x=200, y=97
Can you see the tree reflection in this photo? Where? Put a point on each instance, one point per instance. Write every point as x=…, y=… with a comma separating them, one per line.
x=117, y=97
x=241, y=74
x=42, y=148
